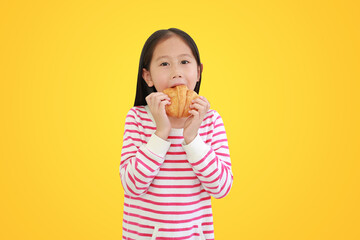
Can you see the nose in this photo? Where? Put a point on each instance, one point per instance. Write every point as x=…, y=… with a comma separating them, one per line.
x=176, y=72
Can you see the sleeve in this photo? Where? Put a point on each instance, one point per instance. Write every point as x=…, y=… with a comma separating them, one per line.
x=211, y=163
x=140, y=160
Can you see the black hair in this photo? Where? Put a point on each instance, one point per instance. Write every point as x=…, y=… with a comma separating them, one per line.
x=143, y=89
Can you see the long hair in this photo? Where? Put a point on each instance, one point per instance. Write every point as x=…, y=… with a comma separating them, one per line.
x=142, y=89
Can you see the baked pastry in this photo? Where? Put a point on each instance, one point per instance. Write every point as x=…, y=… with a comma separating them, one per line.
x=180, y=98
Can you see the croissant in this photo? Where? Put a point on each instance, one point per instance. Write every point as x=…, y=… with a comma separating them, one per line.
x=180, y=98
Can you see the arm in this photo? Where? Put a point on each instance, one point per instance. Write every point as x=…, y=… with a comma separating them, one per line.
x=140, y=161
x=211, y=163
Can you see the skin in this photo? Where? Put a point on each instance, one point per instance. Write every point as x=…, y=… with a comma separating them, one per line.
x=178, y=67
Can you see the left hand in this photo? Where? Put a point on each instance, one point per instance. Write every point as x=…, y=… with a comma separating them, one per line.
x=198, y=109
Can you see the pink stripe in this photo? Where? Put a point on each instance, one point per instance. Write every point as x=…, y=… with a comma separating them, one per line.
x=142, y=111
x=218, y=133
x=130, y=190
x=216, y=179
x=218, y=125
x=138, y=115
x=169, y=203
x=175, y=153
x=201, y=160
x=206, y=125
x=133, y=181
x=133, y=110
x=185, y=229
x=206, y=133
x=130, y=116
x=221, y=140
x=208, y=176
x=176, y=169
x=138, y=132
x=140, y=181
x=208, y=165
x=227, y=191
x=176, y=194
x=177, y=229
x=223, y=186
x=139, y=124
x=176, y=161
x=138, y=224
x=167, y=212
x=223, y=154
x=152, y=160
x=168, y=221
x=207, y=223
x=131, y=123
x=176, y=145
x=148, y=127
x=129, y=145
x=134, y=139
x=128, y=238
x=175, y=178
x=126, y=153
x=223, y=146
x=137, y=233
x=227, y=163
x=123, y=164
x=141, y=173
x=175, y=186
x=208, y=117
x=179, y=238
x=175, y=137
x=145, y=165
x=144, y=119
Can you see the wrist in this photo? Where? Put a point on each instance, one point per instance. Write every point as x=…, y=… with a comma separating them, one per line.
x=164, y=134
x=189, y=139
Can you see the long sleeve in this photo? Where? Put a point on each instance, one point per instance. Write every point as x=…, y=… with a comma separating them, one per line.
x=140, y=160
x=211, y=162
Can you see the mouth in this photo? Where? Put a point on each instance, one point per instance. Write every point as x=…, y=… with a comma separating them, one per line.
x=177, y=84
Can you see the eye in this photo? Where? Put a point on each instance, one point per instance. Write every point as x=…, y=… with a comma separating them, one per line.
x=184, y=61
x=163, y=64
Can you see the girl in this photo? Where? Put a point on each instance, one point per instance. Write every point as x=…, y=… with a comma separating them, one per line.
x=170, y=167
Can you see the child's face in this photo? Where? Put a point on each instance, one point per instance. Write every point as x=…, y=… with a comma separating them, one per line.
x=172, y=64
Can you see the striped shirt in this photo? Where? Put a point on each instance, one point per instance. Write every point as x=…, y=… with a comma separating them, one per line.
x=167, y=184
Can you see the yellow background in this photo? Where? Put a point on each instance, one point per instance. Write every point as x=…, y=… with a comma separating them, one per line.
x=284, y=75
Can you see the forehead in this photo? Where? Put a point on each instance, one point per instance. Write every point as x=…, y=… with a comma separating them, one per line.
x=172, y=47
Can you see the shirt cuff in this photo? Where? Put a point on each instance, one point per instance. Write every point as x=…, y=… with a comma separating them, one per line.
x=158, y=146
x=196, y=149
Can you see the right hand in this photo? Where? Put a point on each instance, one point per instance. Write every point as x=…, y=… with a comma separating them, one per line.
x=157, y=102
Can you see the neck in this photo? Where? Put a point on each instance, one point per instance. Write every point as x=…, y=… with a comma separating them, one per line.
x=177, y=122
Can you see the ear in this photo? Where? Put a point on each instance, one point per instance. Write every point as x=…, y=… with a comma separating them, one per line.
x=200, y=69
x=147, y=77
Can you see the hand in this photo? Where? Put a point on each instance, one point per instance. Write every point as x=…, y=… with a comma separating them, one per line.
x=199, y=107
x=157, y=102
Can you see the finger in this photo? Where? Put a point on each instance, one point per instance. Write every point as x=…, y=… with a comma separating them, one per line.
x=203, y=101
x=197, y=106
x=160, y=95
x=200, y=108
x=200, y=102
x=157, y=97
x=194, y=113
x=165, y=102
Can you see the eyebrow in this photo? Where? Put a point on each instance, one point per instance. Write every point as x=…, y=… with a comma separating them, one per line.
x=166, y=56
